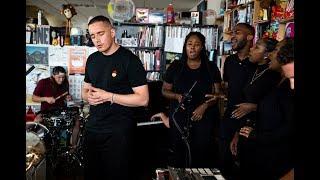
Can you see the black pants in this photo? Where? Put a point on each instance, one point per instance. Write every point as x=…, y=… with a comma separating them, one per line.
x=201, y=142
x=109, y=156
x=246, y=153
x=228, y=127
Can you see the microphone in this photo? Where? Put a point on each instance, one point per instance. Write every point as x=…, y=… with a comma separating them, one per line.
x=185, y=132
x=186, y=96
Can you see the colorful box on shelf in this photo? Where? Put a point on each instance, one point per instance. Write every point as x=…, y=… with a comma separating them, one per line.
x=156, y=17
x=289, y=30
x=142, y=15
x=289, y=12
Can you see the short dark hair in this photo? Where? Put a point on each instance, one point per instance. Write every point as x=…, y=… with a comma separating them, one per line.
x=270, y=44
x=248, y=27
x=58, y=69
x=99, y=18
x=286, y=52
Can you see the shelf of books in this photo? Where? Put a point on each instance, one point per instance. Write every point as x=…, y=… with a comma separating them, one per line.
x=175, y=36
x=147, y=42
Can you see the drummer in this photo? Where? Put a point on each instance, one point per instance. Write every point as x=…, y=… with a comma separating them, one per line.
x=52, y=93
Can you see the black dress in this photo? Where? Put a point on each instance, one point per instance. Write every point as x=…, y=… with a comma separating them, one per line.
x=258, y=86
x=273, y=152
x=200, y=133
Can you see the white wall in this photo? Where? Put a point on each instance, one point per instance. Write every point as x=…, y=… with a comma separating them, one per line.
x=214, y=5
x=195, y=7
x=53, y=21
x=211, y=4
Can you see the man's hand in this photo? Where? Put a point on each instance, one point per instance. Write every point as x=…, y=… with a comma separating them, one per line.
x=97, y=96
x=49, y=100
x=243, y=109
x=245, y=131
x=68, y=98
x=163, y=117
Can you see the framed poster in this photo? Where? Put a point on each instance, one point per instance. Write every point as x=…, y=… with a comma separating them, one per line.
x=35, y=74
x=77, y=58
x=37, y=54
x=58, y=56
x=75, y=86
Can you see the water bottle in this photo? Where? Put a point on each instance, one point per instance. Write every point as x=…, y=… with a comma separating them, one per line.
x=170, y=14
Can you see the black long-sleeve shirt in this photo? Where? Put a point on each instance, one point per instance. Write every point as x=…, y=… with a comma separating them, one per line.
x=275, y=116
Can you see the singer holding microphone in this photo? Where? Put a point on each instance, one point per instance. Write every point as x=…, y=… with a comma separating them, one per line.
x=186, y=84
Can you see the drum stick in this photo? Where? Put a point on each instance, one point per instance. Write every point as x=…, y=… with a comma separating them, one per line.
x=61, y=95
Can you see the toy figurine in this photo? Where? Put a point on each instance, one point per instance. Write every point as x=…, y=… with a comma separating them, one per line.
x=69, y=11
x=54, y=36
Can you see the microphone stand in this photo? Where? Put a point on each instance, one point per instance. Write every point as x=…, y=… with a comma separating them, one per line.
x=186, y=98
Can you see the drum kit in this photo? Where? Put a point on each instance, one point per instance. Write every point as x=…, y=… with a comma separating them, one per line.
x=51, y=138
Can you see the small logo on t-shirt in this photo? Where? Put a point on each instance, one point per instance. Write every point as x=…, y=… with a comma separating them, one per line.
x=114, y=73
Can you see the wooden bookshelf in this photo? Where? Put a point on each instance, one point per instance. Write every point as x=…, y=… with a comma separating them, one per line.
x=256, y=9
x=137, y=24
x=239, y=6
x=220, y=18
x=285, y=21
x=144, y=48
x=249, y=16
x=146, y=41
x=262, y=21
x=192, y=26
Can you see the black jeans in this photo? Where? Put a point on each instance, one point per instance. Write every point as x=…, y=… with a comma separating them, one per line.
x=108, y=156
x=201, y=141
x=228, y=127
